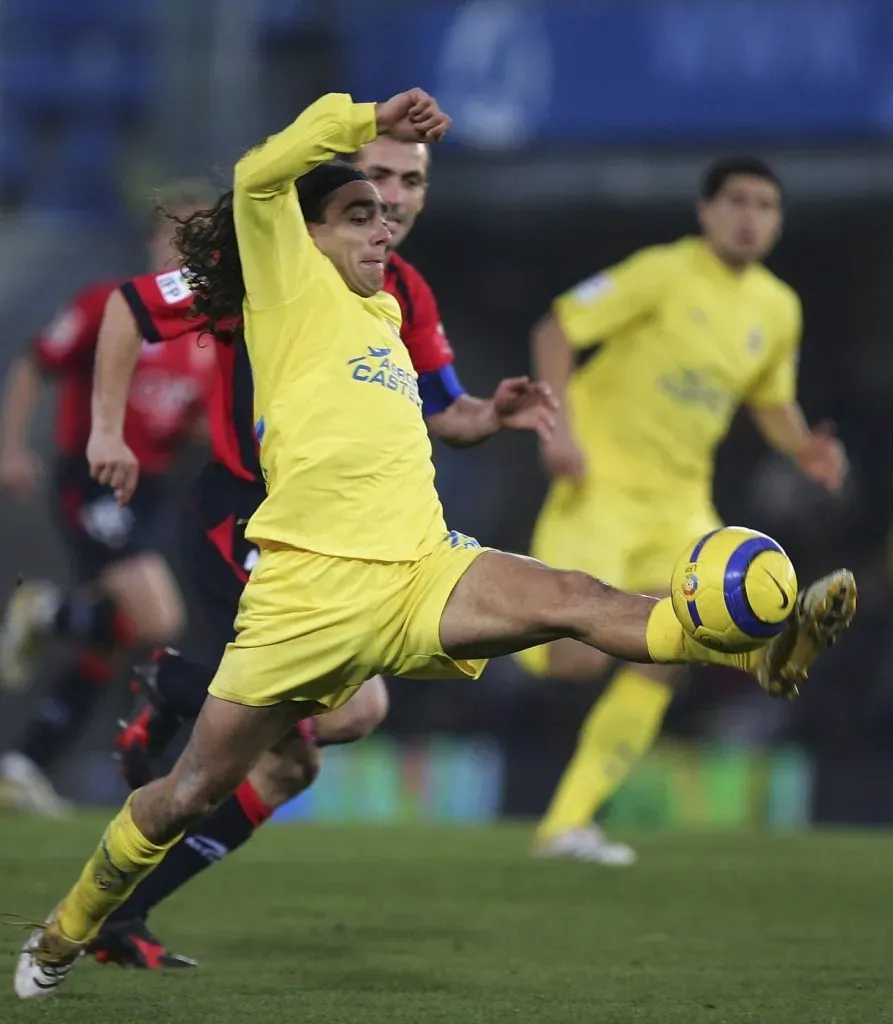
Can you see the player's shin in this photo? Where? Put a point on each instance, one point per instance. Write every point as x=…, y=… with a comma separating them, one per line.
x=122, y=859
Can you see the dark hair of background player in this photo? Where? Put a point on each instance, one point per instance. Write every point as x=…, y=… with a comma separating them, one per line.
x=719, y=172
x=206, y=242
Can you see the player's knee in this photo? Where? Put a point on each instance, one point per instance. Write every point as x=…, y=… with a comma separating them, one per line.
x=287, y=770
x=359, y=717
x=145, y=593
x=196, y=795
x=372, y=707
x=161, y=625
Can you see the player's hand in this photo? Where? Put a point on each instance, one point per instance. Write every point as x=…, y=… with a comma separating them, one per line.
x=412, y=116
x=113, y=464
x=561, y=456
x=824, y=458
x=523, y=404
x=20, y=472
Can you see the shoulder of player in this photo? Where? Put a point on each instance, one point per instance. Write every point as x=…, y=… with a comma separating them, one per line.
x=94, y=296
x=780, y=297
x=170, y=287
x=409, y=277
x=662, y=263
x=87, y=306
x=413, y=294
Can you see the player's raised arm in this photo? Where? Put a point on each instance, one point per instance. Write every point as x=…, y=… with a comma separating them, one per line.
x=333, y=124
x=271, y=231
x=117, y=351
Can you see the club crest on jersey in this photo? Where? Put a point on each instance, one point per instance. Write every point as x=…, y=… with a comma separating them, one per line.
x=755, y=341
x=593, y=288
x=173, y=287
x=376, y=367
x=695, y=388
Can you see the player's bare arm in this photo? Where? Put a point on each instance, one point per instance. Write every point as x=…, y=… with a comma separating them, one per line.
x=20, y=466
x=117, y=351
x=553, y=361
x=517, y=404
x=817, y=451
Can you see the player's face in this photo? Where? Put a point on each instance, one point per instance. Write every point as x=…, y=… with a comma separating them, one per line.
x=162, y=254
x=355, y=236
x=743, y=220
x=400, y=173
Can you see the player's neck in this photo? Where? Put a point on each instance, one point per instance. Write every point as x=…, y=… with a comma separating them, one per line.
x=732, y=264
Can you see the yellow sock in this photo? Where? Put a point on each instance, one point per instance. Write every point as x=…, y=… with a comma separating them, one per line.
x=669, y=644
x=621, y=726
x=123, y=858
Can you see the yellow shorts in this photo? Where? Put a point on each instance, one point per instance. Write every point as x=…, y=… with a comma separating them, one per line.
x=626, y=540
x=313, y=627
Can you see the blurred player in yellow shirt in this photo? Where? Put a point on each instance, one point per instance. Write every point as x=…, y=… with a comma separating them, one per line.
x=690, y=332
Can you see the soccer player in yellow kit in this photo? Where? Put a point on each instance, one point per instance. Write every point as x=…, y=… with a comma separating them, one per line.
x=357, y=574
x=690, y=332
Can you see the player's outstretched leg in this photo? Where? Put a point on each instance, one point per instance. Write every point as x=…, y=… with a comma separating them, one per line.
x=506, y=603
x=226, y=741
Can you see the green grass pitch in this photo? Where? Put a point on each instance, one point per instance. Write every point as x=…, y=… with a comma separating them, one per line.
x=381, y=925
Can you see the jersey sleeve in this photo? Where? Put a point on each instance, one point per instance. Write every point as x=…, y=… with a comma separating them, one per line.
x=605, y=303
x=424, y=335
x=777, y=385
x=68, y=342
x=273, y=239
x=161, y=305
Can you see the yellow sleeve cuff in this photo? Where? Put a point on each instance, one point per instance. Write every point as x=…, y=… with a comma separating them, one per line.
x=363, y=124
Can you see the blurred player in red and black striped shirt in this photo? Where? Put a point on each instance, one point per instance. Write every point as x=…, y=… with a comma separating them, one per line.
x=227, y=494
x=125, y=594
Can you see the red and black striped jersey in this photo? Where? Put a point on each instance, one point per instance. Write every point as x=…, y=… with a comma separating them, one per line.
x=169, y=388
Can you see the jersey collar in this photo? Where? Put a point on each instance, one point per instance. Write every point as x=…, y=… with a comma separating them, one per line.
x=713, y=267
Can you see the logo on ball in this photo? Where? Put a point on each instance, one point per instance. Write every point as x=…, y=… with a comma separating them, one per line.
x=689, y=585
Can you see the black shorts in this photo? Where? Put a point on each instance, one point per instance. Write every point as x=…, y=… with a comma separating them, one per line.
x=96, y=531
x=215, y=553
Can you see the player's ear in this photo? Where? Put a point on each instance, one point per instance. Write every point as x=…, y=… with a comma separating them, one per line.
x=702, y=213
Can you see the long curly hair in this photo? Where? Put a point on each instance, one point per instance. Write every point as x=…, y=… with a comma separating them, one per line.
x=209, y=252
x=206, y=242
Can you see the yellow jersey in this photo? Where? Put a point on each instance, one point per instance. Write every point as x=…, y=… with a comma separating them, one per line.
x=343, y=447
x=686, y=340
